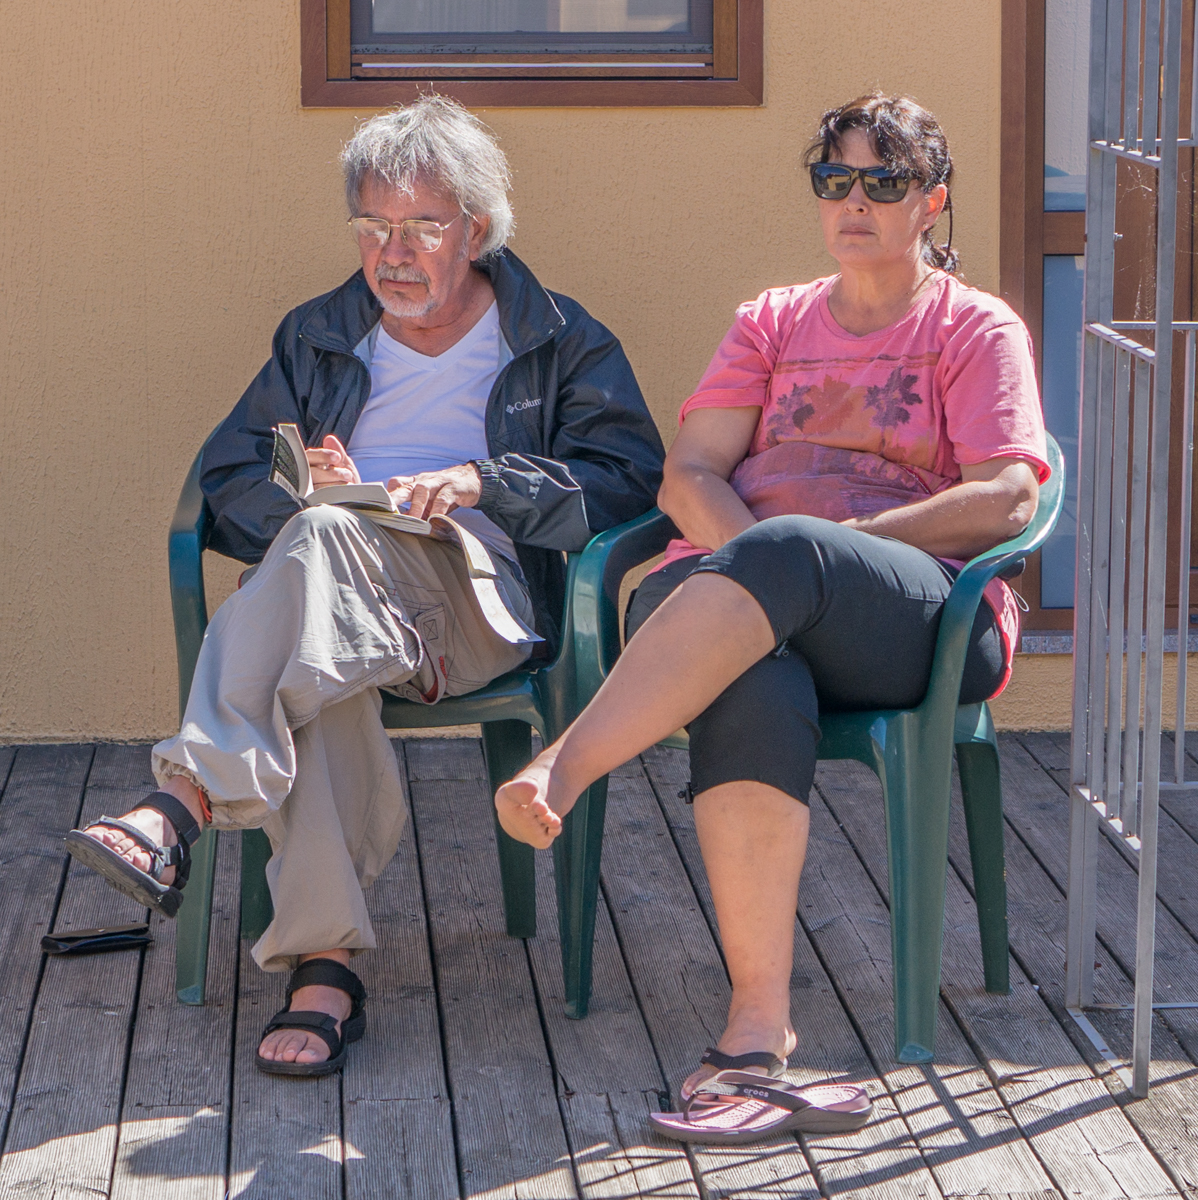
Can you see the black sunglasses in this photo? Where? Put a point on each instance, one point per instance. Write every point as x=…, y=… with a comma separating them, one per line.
x=834, y=181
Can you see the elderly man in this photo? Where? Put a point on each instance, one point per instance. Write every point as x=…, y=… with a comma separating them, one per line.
x=446, y=371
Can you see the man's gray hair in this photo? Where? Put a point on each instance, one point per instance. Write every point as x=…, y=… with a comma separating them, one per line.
x=436, y=140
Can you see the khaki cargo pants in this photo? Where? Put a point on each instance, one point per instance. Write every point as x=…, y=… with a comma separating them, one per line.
x=282, y=725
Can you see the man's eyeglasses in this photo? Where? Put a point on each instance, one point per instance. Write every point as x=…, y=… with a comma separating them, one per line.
x=418, y=235
x=834, y=181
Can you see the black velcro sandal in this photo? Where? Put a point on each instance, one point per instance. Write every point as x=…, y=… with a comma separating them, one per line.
x=146, y=887
x=326, y=973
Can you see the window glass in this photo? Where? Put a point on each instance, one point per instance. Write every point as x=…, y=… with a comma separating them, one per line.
x=532, y=26
x=1066, y=98
x=1062, y=351
x=531, y=16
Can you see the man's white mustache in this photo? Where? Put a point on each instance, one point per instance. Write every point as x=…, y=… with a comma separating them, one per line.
x=400, y=274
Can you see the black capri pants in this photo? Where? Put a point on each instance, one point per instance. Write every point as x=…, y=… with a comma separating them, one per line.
x=855, y=618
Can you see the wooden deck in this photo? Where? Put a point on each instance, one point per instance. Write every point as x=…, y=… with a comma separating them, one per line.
x=471, y=1083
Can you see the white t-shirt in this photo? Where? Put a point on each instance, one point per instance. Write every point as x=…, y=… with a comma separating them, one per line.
x=427, y=413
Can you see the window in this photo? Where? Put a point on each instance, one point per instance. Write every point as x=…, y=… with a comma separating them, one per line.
x=371, y=53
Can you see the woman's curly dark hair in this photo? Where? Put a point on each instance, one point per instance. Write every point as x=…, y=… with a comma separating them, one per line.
x=906, y=137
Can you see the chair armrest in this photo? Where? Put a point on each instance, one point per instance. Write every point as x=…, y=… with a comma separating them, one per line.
x=185, y=547
x=960, y=609
x=594, y=595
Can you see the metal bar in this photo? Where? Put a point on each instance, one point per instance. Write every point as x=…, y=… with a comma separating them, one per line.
x=1106, y=36
x=1150, y=102
x=1135, y=596
x=1130, y=1007
x=1118, y=570
x=1183, y=562
x=1131, y=74
x=1166, y=248
x=1146, y=353
x=1099, y=1043
x=1178, y=326
x=1100, y=569
x=1148, y=160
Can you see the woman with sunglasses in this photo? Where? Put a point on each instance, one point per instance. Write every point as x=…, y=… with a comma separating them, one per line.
x=852, y=442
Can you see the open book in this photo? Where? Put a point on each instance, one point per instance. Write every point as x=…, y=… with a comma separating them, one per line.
x=289, y=469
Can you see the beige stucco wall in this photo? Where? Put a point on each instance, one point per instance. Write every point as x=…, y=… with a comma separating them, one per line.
x=164, y=200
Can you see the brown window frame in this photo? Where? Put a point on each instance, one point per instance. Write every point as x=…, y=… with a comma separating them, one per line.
x=731, y=76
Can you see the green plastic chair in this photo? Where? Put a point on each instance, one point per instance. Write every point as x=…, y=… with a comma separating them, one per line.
x=508, y=708
x=911, y=751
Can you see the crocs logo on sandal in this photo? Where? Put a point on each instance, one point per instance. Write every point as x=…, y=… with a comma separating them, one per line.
x=756, y=1093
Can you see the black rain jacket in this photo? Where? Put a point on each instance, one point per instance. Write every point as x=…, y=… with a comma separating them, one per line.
x=573, y=449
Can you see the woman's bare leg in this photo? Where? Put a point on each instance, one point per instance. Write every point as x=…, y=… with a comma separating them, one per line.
x=704, y=635
x=754, y=840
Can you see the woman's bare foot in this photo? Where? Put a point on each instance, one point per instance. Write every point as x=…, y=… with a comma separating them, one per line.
x=531, y=806
x=294, y=1045
x=153, y=824
x=744, y=1035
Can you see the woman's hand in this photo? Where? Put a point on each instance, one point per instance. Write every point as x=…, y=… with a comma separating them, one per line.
x=993, y=503
x=332, y=464
x=695, y=491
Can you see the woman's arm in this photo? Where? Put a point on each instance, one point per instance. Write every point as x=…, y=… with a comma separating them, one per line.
x=695, y=491
x=994, y=502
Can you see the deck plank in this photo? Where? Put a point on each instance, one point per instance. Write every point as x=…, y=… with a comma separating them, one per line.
x=880, y=1161
x=7, y=755
x=63, y=1133
x=41, y=802
x=285, y=1134
x=175, y=1120
x=608, y=1076
x=510, y=1137
x=680, y=978
x=959, y=1120
x=398, y=1119
x=1039, y=814
x=1167, y=1117
x=1076, y=1128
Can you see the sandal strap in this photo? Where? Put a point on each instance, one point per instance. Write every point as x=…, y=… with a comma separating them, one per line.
x=320, y=1024
x=738, y=1062
x=161, y=857
x=324, y=972
x=186, y=828
x=738, y=1085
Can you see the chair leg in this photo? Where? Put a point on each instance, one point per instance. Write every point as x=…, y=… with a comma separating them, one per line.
x=981, y=791
x=507, y=747
x=195, y=915
x=576, y=856
x=916, y=778
x=257, y=911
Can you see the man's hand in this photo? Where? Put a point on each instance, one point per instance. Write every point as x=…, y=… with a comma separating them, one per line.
x=332, y=464
x=432, y=493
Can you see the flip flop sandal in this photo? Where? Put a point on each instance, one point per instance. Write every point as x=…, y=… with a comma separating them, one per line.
x=774, y=1066
x=327, y=973
x=735, y=1107
x=146, y=887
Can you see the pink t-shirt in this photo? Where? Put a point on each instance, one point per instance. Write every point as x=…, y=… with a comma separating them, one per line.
x=851, y=426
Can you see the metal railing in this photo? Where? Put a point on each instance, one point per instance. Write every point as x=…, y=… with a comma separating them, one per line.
x=1123, y=503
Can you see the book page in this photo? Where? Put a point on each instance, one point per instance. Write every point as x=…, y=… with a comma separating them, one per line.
x=289, y=463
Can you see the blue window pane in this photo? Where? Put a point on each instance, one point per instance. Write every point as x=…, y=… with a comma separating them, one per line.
x=1062, y=353
x=1066, y=88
